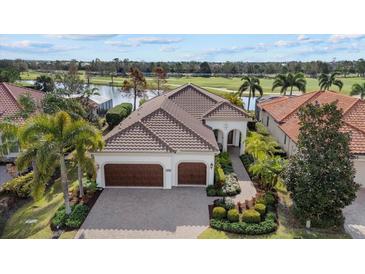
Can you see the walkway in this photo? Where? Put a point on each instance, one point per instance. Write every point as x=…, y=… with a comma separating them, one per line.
x=355, y=217
x=248, y=190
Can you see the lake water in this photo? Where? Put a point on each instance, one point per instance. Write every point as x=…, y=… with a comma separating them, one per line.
x=118, y=96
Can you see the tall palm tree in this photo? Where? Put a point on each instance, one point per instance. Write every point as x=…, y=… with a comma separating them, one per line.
x=325, y=81
x=289, y=80
x=252, y=84
x=58, y=134
x=85, y=142
x=8, y=135
x=358, y=89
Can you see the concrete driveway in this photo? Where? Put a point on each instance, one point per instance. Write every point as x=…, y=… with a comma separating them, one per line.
x=355, y=216
x=121, y=213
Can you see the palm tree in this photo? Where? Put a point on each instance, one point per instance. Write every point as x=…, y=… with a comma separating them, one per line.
x=268, y=170
x=137, y=84
x=358, y=89
x=289, y=80
x=252, y=84
x=89, y=140
x=8, y=135
x=327, y=80
x=57, y=134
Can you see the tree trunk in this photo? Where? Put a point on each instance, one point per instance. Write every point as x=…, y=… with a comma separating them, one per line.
x=249, y=100
x=291, y=90
x=79, y=174
x=64, y=183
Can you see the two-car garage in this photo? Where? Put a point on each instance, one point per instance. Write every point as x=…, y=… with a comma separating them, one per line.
x=152, y=175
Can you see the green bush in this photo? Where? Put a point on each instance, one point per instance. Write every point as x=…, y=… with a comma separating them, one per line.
x=225, y=202
x=20, y=186
x=211, y=190
x=77, y=216
x=224, y=162
x=270, y=199
x=247, y=160
x=251, y=216
x=90, y=185
x=261, y=129
x=118, y=113
x=219, y=213
x=260, y=208
x=219, y=175
x=267, y=226
x=63, y=221
x=2, y=224
x=233, y=215
x=231, y=186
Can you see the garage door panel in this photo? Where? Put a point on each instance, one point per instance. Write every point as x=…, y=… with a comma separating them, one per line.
x=139, y=175
x=192, y=174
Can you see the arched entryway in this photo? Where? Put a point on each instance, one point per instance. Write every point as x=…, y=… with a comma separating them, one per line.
x=219, y=136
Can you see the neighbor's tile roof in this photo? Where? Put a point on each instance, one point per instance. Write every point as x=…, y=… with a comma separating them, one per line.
x=175, y=124
x=284, y=111
x=9, y=96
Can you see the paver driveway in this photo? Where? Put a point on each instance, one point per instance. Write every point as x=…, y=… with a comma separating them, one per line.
x=355, y=216
x=147, y=213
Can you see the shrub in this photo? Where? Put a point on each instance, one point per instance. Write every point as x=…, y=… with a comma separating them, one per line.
x=231, y=186
x=63, y=221
x=118, y=113
x=90, y=185
x=219, y=175
x=225, y=162
x=20, y=186
x=219, y=213
x=77, y=216
x=251, y=216
x=233, y=215
x=225, y=202
x=260, y=208
x=270, y=199
x=247, y=160
x=211, y=190
x=267, y=226
x=2, y=224
x=261, y=129
x=59, y=219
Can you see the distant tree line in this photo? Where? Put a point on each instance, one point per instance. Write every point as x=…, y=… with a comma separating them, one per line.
x=122, y=66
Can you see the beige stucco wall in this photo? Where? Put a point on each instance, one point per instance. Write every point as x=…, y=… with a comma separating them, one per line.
x=359, y=164
x=168, y=161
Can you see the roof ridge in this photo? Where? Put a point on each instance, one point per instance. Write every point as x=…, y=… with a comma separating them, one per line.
x=345, y=112
x=355, y=127
x=156, y=135
x=30, y=89
x=203, y=92
x=274, y=100
x=315, y=94
x=229, y=104
x=188, y=128
x=212, y=108
x=11, y=94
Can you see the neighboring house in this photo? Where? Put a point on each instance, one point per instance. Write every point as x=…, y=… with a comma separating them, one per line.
x=99, y=104
x=279, y=115
x=9, y=107
x=171, y=141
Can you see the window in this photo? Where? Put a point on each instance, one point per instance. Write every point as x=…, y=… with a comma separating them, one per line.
x=267, y=121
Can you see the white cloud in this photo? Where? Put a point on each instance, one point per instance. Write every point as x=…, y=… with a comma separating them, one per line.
x=83, y=36
x=302, y=37
x=155, y=40
x=338, y=38
x=120, y=44
x=34, y=47
x=168, y=49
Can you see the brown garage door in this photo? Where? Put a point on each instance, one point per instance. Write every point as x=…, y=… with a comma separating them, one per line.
x=146, y=175
x=192, y=174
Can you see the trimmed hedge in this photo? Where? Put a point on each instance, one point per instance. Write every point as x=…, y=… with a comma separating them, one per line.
x=267, y=226
x=233, y=216
x=260, y=208
x=74, y=220
x=219, y=213
x=225, y=202
x=118, y=113
x=219, y=175
x=20, y=186
x=251, y=216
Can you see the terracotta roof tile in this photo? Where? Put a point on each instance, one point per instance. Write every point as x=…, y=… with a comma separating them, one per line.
x=353, y=109
x=9, y=96
x=226, y=110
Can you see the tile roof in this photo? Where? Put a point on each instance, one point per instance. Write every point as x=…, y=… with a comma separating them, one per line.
x=9, y=96
x=284, y=111
x=175, y=120
x=226, y=110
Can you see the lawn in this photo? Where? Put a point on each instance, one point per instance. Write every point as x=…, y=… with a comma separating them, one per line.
x=214, y=84
x=42, y=211
x=286, y=230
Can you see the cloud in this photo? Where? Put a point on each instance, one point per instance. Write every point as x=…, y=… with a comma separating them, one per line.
x=339, y=38
x=302, y=37
x=155, y=40
x=83, y=36
x=168, y=49
x=120, y=44
x=34, y=47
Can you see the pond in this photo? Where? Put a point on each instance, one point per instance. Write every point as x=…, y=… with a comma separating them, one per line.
x=118, y=96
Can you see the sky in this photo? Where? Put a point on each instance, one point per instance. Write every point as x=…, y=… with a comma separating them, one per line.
x=178, y=47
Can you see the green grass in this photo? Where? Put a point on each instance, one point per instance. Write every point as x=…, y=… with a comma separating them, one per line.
x=288, y=228
x=42, y=210
x=213, y=84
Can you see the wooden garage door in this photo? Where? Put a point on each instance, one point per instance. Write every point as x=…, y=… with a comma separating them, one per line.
x=144, y=175
x=192, y=174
